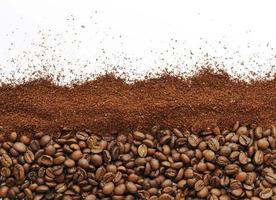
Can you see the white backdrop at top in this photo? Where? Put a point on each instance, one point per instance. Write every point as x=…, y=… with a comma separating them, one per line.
x=135, y=37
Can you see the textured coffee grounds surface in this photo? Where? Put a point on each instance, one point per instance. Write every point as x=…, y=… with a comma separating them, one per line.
x=110, y=105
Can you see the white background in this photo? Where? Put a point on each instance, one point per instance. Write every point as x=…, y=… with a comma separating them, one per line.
x=136, y=37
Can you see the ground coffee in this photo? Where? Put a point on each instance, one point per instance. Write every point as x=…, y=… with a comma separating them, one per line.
x=110, y=105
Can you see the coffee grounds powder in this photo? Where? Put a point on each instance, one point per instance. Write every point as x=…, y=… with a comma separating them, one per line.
x=108, y=105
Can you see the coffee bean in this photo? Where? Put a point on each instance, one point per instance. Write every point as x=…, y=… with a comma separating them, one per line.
x=232, y=169
x=45, y=160
x=199, y=185
x=90, y=197
x=245, y=140
x=80, y=135
x=209, y=155
x=69, y=163
x=6, y=160
x=83, y=163
x=120, y=189
x=108, y=188
x=266, y=193
x=142, y=150
x=213, y=144
x=45, y=140
x=59, y=160
x=20, y=147
x=271, y=178
x=242, y=131
x=29, y=156
x=42, y=189
x=138, y=135
x=19, y=172
x=259, y=157
x=193, y=140
x=96, y=160
x=131, y=187
x=60, y=188
x=50, y=150
x=76, y=155
x=3, y=191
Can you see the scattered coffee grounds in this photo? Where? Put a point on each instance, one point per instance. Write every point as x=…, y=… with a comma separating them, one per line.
x=217, y=164
x=110, y=105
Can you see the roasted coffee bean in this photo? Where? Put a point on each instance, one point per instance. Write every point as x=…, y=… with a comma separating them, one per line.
x=19, y=172
x=258, y=157
x=29, y=156
x=108, y=188
x=142, y=150
x=80, y=135
x=193, y=140
x=20, y=147
x=83, y=163
x=213, y=144
x=6, y=160
x=45, y=160
x=45, y=140
x=171, y=164
x=131, y=187
x=138, y=135
x=266, y=193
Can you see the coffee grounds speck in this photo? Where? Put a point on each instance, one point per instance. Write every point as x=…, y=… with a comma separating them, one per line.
x=109, y=105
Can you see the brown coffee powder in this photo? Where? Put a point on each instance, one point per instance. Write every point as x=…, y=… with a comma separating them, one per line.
x=110, y=105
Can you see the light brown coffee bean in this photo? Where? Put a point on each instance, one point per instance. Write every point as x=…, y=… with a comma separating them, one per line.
x=271, y=178
x=231, y=169
x=80, y=135
x=199, y=185
x=242, y=130
x=108, y=188
x=76, y=155
x=5, y=172
x=131, y=187
x=258, y=157
x=6, y=160
x=245, y=140
x=241, y=176
x=213, y=144
x=59, y=160
x=263, y=143
x=3, y=191
x=209, y=155
x=69, y=163
x=83, y=163
x=266, y=193
x=20, y=147
x=193, y=140
x=203, y=193
x=46, y=160
x=96, y=160
x=142, y=150
x=120, y=189
x=45, y=140
x=61, y=188
x=29, y=156
x=243, y=159
x=189, y=173
x=138, y=136
x=50, y=150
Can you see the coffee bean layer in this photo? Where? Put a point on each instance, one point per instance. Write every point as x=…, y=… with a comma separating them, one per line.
x=214, y=164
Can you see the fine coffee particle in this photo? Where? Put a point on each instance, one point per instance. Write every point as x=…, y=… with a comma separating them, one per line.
x=109, y=105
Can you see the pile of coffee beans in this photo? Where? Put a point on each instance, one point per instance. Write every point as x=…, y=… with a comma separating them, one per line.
x=212, y=164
